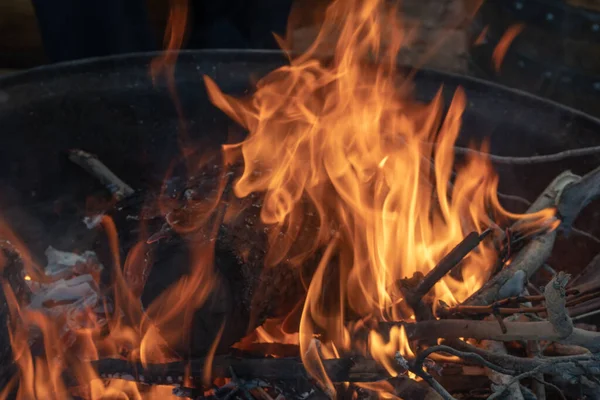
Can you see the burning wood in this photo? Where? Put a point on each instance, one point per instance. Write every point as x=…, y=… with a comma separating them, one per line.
x=343, y=216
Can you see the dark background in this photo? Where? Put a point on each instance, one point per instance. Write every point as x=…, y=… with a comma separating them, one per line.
x=555, y=56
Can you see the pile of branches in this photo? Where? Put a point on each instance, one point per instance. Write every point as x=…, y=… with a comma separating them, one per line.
x=528, y=345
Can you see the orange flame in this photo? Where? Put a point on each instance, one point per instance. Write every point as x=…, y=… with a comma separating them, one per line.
x=147, y=336
x=376, y=166
x=164, y=65
x=385, y=353
x=173, y=40
x=504, y=44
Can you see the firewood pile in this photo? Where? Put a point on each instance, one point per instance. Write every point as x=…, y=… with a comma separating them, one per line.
x=346, y=248
x=509, y=339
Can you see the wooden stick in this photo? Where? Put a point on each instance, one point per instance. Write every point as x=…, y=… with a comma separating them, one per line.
x=495, y=308
x=533, y=255
x=458, y=328
x=451, y=260
x=498, y=378
x=535, y=350
x=414, y=298
x=97, y=169
x=574, y=365
x=339, y=370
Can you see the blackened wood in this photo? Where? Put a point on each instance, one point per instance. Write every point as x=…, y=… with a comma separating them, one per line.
x=338, y=370
x=446, y=264
x=248, y=292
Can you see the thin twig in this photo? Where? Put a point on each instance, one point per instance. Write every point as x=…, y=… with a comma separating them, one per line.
x=534, y=350
x=586, y=315
x=514, y=380
x=560, y=365
x=526, y=202
x=583, y=233
x=480, y=330
x=420, y=359
x=553, y=386
x=452, y=259
x=433, y=383
x=591, y=273
x=97, y=169
x=495, y=308
x=500, y=379
x=354, y=369
x=514, y=197
x=586, y=151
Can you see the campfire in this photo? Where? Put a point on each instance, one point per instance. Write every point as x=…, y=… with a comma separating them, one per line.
x=345, y=247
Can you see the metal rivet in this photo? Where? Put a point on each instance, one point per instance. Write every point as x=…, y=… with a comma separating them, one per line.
x=596, y=27
x=520, y=63
x=519, y=5
x=597, y=85
x=548, y=74
x=549, y=17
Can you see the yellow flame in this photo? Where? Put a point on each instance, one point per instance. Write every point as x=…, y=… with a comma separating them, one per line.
x=342, y=139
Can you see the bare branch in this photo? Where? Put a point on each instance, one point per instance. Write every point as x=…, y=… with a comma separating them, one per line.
x=583, y=233
x=465, y=355
x=498, y=378
x=339, y=370
x=433, y=383
x=514, y=381
x=480, y=330
x=502, y=307
x=532, y=256
x=573, y=365
x=556, y=305
x=452, y=259
x=553, y=386
x=586, y=151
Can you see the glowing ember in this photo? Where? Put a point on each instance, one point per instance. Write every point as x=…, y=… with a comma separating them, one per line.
x=377, y=167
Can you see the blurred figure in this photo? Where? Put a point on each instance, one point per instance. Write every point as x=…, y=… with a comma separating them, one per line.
x=74, y=29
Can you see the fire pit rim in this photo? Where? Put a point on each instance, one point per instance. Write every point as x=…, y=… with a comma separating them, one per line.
x=272, y=56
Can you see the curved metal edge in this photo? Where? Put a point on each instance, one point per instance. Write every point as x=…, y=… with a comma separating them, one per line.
x=60, y=68
x=274, y=56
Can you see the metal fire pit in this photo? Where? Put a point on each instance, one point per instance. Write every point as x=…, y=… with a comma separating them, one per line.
x=110, y=107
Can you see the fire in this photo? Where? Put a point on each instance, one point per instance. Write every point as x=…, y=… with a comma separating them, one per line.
x=377, y=167
x=504, y=44
x=385, y=353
